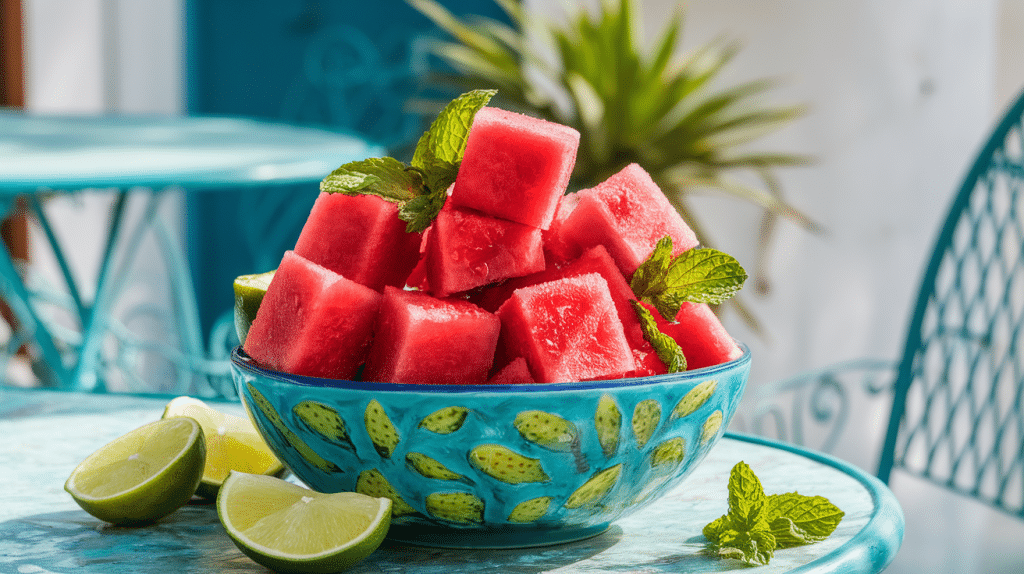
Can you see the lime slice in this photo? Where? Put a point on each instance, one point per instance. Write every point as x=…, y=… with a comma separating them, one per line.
x=232, y=443
x=249, y=292
x=288, y=528
x=142, y=476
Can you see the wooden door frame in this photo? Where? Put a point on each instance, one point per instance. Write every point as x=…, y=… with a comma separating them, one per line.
x=13, y=227
x=12, y=67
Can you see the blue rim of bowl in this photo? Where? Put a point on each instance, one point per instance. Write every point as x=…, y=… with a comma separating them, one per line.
x=244, y=362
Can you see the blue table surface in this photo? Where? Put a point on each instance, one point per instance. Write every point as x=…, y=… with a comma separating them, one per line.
x=46, y=434
x=77, y=152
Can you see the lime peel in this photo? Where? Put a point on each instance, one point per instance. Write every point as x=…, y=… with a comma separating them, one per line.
x=143, y=475
x=288, y=528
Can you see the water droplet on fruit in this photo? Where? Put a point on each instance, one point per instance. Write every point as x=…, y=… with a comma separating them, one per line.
x=480, y=269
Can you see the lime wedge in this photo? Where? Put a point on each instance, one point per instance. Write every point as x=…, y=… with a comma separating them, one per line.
x=142, y=476
x=232, y=443
x=288, y=528
x=249, y=292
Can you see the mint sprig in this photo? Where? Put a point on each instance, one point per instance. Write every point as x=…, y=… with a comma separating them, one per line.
x=699, y=275
x=666, y=347
x=420, y=188
x=758, y=524
x=382, y=176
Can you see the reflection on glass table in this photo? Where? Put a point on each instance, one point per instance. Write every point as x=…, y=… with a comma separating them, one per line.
x=47, y=433
x=78, y=334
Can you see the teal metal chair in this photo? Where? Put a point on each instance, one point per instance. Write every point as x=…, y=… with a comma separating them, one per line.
x=957, y=410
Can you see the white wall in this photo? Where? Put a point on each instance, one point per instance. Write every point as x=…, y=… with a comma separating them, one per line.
x=901, y=92
x=96, y=56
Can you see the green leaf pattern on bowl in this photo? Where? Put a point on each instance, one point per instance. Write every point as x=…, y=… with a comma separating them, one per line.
x=460, y=507
x=480, y=460
x=445, y=421
x=646, y=417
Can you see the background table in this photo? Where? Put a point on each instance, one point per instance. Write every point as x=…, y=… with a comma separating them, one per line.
x=140, y=160
x=46, y=434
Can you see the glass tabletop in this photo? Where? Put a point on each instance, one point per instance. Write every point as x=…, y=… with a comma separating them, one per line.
x=46, y=433
x=76, y=152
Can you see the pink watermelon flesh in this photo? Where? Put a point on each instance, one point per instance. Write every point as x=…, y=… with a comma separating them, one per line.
x=700, y=335
x=360, y=237
x=515, y=167
x=594, y=260
x=424, y=340
x=648, y=363
x=313, y=321
x=555, y=248
x=467, y=249
x=567, y=330
x=515, y=373
x=628, y=214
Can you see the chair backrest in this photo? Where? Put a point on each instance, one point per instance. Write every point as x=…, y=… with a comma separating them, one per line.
x=958, y=410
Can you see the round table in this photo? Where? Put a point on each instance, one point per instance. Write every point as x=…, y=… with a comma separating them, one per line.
x=47, y=433
x=140, y=160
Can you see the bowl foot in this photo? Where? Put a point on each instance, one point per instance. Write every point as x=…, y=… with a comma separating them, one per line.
x=489, y=538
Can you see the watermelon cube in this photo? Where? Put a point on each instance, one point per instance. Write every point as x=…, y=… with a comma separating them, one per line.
x=515, y=373
x=421, y=339
x=594, y=260
x=360, y=237
x=700, y=334
x=515, y=167
x=567, y=330
x=467, y=249
x=313, y=321
x=628, y=214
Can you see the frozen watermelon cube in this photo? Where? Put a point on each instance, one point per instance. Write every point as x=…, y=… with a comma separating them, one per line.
x=313, y=321
x=421, y=339
x=360, y=237
x=567, y=330
x=467, y=249
x=628, y=214
x=515, y=167
x=700, y=334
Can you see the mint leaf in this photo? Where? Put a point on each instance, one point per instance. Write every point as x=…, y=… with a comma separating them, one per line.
x=757, y=524
x=382, y=176
x=445, y=140
x=797, y=520
x=716, y=529
x=699, y=275
x=419, y=212
x=746, y=499
x=705, y=275
x=439, y=150
x=666, y=347
x=649, y=277
x=755, y=547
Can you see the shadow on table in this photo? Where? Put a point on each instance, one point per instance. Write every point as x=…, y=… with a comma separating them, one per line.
x=191, y=540
x=403, y=558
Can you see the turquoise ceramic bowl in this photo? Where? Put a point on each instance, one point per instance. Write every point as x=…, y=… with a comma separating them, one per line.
x=495, y=466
